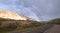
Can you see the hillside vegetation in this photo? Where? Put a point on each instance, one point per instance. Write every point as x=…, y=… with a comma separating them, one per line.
x=7, y=25
x=54, y=21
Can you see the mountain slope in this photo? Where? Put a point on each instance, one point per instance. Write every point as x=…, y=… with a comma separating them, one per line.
x=11, y=15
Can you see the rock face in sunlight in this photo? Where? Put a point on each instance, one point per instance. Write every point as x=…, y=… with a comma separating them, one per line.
x=12, y=15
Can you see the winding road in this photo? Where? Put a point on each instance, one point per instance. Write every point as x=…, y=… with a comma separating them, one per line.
x=50, y=28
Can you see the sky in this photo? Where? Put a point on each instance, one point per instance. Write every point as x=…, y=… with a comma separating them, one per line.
x=41, y=10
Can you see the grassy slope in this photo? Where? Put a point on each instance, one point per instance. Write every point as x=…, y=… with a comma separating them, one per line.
x=7, y=25
x=55, y=21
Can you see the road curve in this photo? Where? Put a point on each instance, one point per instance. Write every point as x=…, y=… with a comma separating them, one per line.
x=35, y=30
x=54, y=29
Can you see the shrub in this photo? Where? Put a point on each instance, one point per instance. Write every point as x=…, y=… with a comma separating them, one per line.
x=9, y=25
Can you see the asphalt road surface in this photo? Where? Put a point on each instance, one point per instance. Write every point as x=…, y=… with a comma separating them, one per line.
x=54, y=29
x=35, y=30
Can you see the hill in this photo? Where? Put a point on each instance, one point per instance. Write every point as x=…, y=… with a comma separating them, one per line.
x=55, y=21
x=12, y=15
x=12, y=21
x=11, y=25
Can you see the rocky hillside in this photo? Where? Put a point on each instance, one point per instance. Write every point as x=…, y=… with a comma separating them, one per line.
x=12, y=15
x=9, y=19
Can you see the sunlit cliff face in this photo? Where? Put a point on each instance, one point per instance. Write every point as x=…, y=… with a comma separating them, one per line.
x=11, y=15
